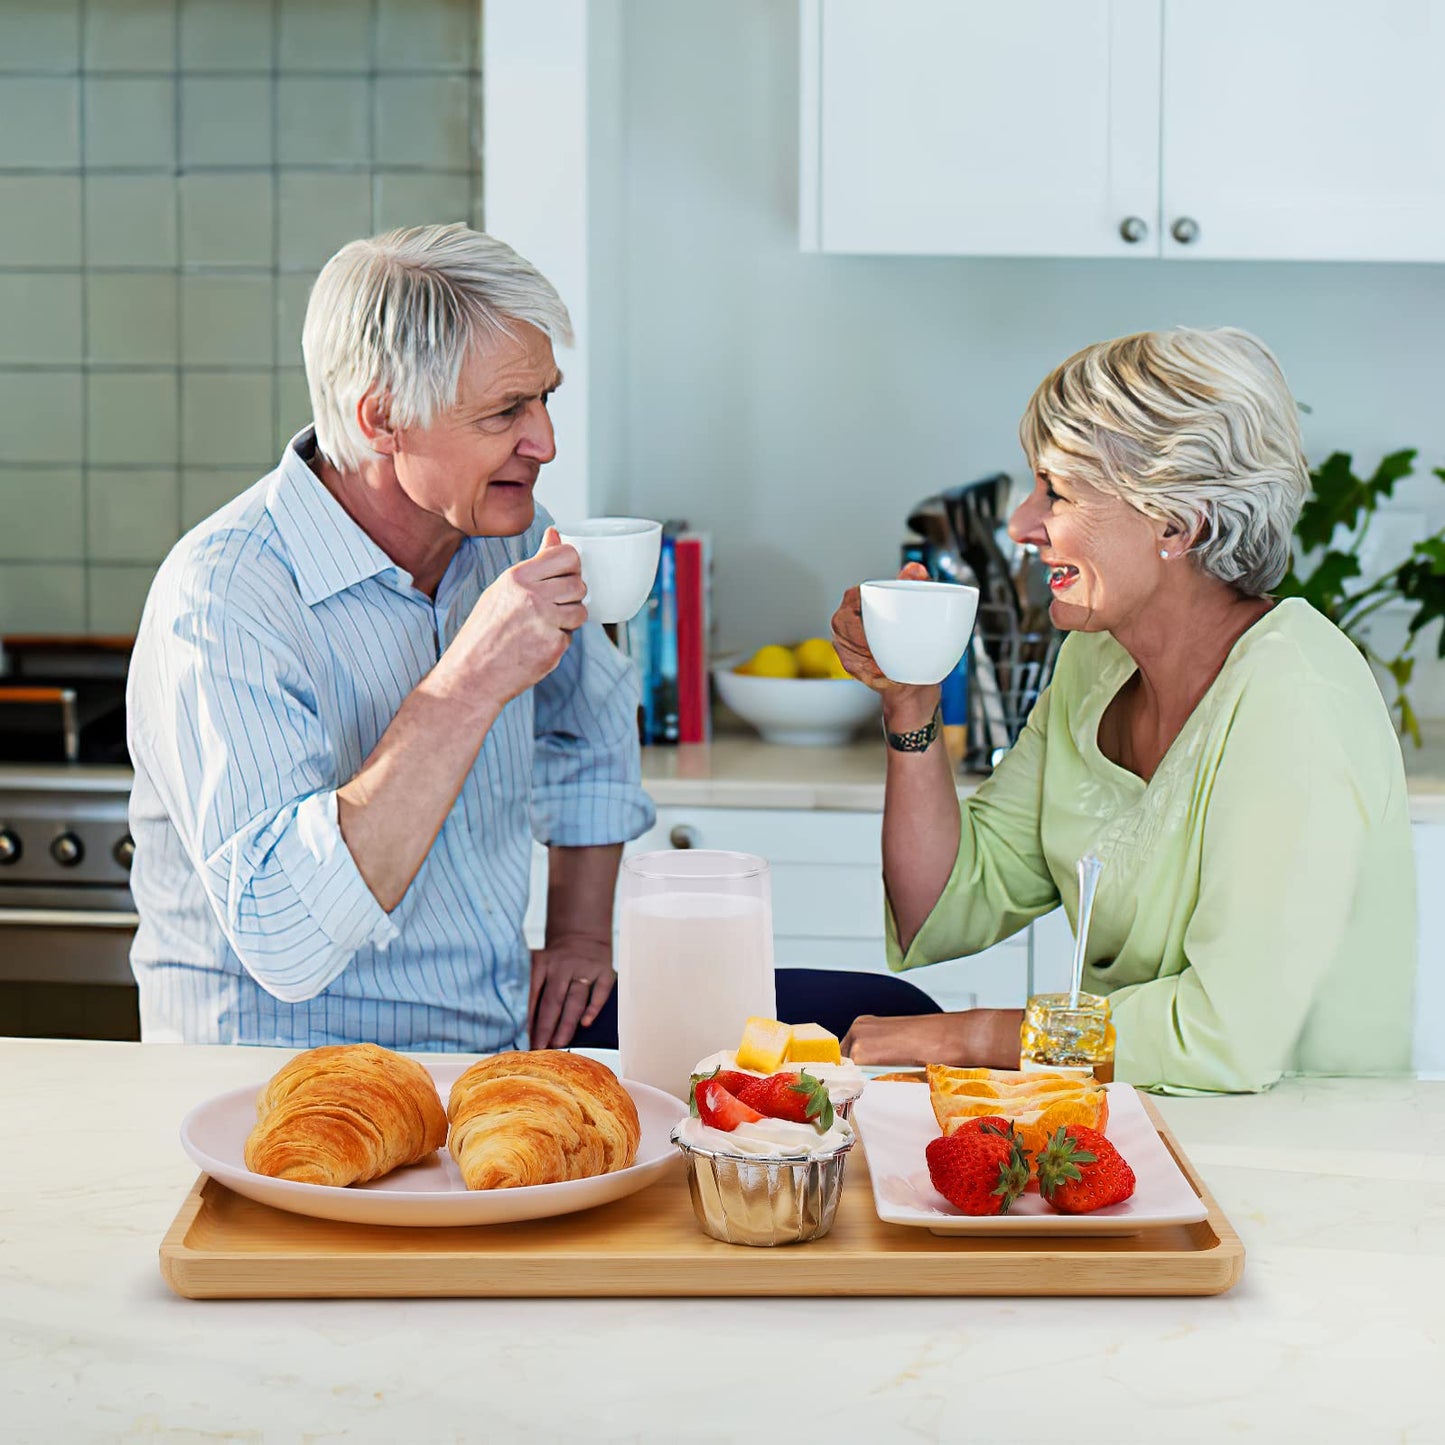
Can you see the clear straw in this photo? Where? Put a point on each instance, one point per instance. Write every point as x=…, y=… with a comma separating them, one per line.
x=1089, y=870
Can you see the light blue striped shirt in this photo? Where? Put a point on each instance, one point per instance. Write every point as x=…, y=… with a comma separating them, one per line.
x=276, y=646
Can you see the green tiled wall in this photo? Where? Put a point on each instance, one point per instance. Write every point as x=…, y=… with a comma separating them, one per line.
x=172, y=175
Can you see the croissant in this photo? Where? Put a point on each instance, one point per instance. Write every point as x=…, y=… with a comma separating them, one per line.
x=540, y=1117
x=345, y=1113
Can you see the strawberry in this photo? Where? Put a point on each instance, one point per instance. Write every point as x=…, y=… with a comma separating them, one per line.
x=796, y=1096
x=733, y=1080
x=979, y=1170
x=1080, y=1171
x=721, y=1110
x=989, y=1123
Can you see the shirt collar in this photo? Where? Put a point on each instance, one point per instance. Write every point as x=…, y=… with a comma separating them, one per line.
x=328, y=551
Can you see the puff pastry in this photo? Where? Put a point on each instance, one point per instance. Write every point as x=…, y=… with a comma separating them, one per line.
x=540, y=1117
x=345, y=1113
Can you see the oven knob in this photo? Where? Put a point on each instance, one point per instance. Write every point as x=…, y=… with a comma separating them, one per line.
x=10, y=849
x=124, y=852
x=67, y=850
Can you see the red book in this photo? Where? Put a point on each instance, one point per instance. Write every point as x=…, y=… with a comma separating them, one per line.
x=694, y=716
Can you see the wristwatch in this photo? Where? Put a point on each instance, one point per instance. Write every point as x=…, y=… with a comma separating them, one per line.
x=920, y=739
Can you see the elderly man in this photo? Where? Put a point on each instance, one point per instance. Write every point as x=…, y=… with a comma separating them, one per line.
x=363, y=687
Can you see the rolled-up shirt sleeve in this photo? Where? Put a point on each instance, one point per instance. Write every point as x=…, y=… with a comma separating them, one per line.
x=587, y=784
x=249, y=778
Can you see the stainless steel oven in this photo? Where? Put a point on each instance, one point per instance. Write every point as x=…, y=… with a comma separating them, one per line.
x=66, y=913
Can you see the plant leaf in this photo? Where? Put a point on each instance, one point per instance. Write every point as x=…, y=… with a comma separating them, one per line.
x=1341, y=499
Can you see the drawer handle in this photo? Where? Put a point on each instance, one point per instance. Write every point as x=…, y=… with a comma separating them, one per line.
x=684, y=835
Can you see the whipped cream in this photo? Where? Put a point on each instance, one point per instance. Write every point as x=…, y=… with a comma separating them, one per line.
x=767, y=1139
x=844, y=1082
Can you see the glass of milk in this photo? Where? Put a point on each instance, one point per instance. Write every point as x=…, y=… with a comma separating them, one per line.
x=694, y=959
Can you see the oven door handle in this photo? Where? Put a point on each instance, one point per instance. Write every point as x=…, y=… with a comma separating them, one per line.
x=67, y=918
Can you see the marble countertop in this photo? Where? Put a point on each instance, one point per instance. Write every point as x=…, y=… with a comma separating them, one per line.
x=1333, y=1334
x=739, y=770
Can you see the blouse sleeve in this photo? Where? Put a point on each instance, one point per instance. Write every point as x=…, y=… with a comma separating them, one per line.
x=1000, y=880
x=1281, y=860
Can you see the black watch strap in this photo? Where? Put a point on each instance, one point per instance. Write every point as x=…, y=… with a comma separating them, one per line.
x=920, y=739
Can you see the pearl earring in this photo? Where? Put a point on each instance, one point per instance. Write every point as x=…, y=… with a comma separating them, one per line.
x=1164, y=553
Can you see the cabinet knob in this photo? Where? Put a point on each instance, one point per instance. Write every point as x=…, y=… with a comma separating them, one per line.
x=10, y=847
x=67, y=850
x=1185, y=230
x=1133, y=229
x=684, y=835
x=124, y=852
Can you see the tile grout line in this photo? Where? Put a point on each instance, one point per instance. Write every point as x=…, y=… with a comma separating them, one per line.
x=275, y=268
x=177, y=271
x=86, y=588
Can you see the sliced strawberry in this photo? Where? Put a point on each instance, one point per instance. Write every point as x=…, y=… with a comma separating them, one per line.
x=733, y=1080
x=796, y=1096
x=721, y=1110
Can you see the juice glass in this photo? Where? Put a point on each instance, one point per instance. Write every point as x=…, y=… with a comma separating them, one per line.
x=1068, y=1036
x=694, y=959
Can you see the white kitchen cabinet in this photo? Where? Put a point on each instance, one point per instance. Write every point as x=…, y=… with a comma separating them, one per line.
x=1430, y=975
x=1301, y=131
x=932, y=127
x=827, y=896
x=1174, y=128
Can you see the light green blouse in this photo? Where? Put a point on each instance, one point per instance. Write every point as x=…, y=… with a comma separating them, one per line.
x=1256, y=910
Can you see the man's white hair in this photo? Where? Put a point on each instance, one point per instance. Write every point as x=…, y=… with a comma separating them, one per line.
x=397, y=314
x=1193, y=427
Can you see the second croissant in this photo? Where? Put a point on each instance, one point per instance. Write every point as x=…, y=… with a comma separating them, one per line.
x=541, y=1117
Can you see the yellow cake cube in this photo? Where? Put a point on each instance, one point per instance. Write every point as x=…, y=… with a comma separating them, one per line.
x=764, y=1046
x=813, y=1044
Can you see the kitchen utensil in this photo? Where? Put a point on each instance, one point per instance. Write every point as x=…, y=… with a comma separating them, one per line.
x=1089, y=869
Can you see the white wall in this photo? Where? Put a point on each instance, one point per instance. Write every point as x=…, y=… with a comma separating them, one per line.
x=797, y=405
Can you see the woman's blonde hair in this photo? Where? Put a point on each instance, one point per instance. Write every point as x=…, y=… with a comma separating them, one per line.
x=1193, y=427
x=396, y=314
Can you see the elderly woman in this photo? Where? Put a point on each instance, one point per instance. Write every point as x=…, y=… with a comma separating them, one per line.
x=1228, y=756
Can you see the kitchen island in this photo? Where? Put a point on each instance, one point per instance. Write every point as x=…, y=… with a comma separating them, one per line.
x=1337, y=1188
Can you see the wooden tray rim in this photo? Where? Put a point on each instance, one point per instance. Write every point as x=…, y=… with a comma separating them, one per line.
x=946, y=1266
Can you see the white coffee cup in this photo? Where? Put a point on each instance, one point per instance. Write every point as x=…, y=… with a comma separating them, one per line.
x=619, y=562
x=917, y=631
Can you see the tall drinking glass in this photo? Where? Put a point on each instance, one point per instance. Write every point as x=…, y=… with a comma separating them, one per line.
x=694, y=959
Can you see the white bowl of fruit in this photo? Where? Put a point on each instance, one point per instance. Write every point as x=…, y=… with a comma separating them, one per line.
x=797, y=695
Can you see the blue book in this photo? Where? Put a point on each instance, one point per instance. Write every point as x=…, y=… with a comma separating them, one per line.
x=664, y=638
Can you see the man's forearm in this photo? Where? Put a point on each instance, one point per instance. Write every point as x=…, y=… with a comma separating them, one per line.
x=581, y=883
x=392, y=810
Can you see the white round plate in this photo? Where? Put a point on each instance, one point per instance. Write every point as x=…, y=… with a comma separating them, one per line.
x=430, y=1193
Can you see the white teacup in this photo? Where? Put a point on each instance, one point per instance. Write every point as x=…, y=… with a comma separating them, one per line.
x=619, y=562
x=917, y=631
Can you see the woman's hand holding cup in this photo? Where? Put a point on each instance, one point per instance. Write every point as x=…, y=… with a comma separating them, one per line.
x=901, y=701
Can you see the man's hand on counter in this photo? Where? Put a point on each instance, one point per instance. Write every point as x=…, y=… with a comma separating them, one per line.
x=571, y=979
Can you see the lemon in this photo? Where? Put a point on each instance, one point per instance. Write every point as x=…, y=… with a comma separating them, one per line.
x=816, y=657
x=771, y=661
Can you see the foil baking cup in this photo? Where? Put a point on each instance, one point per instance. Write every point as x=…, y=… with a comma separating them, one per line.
x=745, y=1199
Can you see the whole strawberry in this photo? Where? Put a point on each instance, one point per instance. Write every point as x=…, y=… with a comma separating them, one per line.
x=1080, y=1171
x=980, y=1170
x=796, y=1096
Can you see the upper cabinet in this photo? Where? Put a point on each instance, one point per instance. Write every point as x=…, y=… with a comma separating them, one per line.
x=1296, y=130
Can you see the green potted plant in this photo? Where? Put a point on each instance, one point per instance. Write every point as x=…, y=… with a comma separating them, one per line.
x=1342, y=505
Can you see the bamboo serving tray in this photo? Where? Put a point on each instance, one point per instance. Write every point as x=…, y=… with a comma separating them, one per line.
x=221, y=1246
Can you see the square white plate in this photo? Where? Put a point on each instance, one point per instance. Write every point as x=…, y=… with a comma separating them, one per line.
x=895, y=1122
